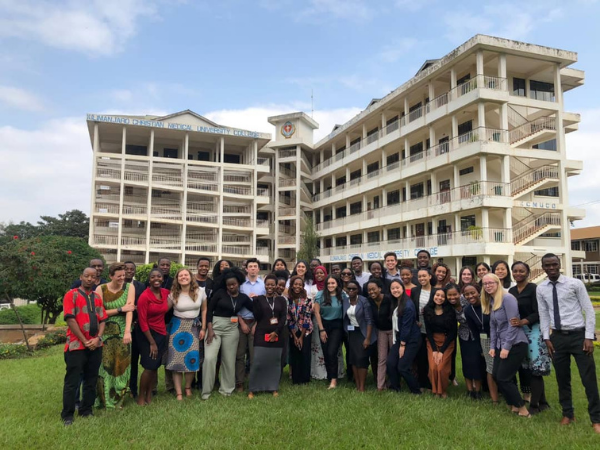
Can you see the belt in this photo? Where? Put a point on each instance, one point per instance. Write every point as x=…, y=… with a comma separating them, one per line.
x=569, y=332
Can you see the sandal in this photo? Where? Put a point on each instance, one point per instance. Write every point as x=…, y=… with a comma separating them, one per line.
x=188, y=392
x=179, y=396
x=526, y=416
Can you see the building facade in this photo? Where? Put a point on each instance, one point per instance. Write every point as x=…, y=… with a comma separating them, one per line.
x=585, y=245
x=467, y=160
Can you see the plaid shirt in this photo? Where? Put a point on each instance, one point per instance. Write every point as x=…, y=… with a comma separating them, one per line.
x=77, y=305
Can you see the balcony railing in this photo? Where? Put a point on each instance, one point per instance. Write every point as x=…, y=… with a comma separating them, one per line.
x=284, y=182
x=531, y=128
x=479, y=81
x=237, y=222
x=236, y=250
x=287, y=240
x=234, y=209
x=202, y=247
x=531, y=227
x=533, y=177
x=287, y=153
x=467, y=192
x=263, y=192
x=287, y=211
x=238, y=190
x=263, y=224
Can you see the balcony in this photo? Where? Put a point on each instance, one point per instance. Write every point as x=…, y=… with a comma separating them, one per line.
x=136, y=172
x=285, y=154
x=237, y=222
x=445, y=101
x=165, y=212
x=237, y=190
x=469, y=242
x=465, y=197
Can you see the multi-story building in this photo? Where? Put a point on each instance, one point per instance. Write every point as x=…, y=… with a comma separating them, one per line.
x=179, y=186
x=467, y=159
x=585, y=245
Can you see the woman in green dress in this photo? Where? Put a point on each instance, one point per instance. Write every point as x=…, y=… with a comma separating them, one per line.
x=119, y=303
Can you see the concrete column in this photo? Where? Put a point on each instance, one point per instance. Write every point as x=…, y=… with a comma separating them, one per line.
x=149, y=202
x=504, y=117
x=254, y=188
x=406, y=148
x=456, y=178
x=322, y=185
x=121, y=192
x=364, y=203
x=347, y=174
x=434, y=185
x=502, y=67
x=407, y=187
x=298, y=195
x=483, y=167
x=406, y=109
x=383, y=120
x=276, y=205
x=485, y=218
x=364, y=131
x=221, y=147
x=333, y=181
x=452, y=84
x=364, y=167
x=479, y=62
x=186, y=147
x=384, y=197
x=456, y=222
x=347, y=141
x=322, y=153
x=505, y=169
x=431, y=136
x=431, y=90
x=383, y=158
x=481, y=114
x=454, y=127
x=96, y=149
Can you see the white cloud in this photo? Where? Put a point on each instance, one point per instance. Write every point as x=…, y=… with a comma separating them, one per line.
x=255, y=118
x=96, y=27
x=20, y=99
x=584, y=189
x=50, y=169
x=392, y=53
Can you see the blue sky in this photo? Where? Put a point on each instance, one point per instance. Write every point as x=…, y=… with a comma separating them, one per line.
x=238, y=62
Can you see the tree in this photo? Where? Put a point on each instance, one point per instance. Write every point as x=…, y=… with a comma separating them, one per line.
x=309, y=247
x=43, y=269
x=142, y=272
x=72, y=223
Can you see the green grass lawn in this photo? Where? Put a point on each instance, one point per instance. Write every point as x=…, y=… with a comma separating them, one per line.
x=303, y=417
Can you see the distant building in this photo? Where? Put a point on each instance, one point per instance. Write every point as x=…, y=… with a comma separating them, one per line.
x=586, y=241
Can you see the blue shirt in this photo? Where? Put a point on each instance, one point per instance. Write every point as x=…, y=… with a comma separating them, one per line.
x=258, y=288
x=330, y=312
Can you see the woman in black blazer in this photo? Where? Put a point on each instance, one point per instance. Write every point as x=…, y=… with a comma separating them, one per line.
x=420, y=296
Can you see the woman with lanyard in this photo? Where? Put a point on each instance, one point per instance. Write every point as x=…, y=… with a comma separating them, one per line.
x=538, y=360
x=329, y=317
x=222, y=318
x=270, y=312
x=151, y=333
x=479, y=325
x=382, y=307
x=407, y=340
x=508, y=344
x=420, y=297
x=300, y=327
x=345, y=276
x=118, y=298
x=358, y=325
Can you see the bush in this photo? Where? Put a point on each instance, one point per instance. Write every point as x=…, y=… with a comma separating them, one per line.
x=142, y=272
x=53, y=338
x=11, y=351
x=30, y=314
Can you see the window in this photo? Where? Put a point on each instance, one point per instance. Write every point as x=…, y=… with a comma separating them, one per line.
x=340, y=212
x=340, y=180
x=591, y=246
x=576, y=270
x=127, y=223
x=232, y=159
x=203, y=156
x=539, y=90
x=519, y=87
x=443, y=145
x=190, y=156
x=415, y=111
x=373, y=236
x=138, y=150
x=340, y=150
x=575, y=245
x=393, y=197
x=328, y=243
x=356, y=174
x=355, y=208
x=416, y=151
x=548, y=145
x=156, y=194
x=393, y=234
x=469, y=261
x=391, y=159
x=373, y=167
x=356, y=239
x=128, y=190
x=341, y=241
x=355, y=141
x=466, y=170
x=550, y=192
x=171, y=153
x=416, y=191
x=464, y=79
x=590, y=268
x=466, y=222
x=465, y=127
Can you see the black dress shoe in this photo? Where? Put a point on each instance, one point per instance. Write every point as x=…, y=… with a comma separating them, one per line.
x=67, y=422
x=90, y=414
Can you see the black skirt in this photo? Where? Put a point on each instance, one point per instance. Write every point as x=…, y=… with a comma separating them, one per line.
x=359, y=356
x=473, y=364
x=144, y=348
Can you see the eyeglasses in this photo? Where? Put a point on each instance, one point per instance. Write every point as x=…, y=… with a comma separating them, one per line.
x=490, y=283
x=346, y=274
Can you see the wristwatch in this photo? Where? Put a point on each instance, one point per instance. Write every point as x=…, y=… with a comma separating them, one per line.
x=100, y=337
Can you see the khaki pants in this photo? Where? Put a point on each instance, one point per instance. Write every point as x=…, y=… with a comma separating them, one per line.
x=246, y=342
x=226, y=340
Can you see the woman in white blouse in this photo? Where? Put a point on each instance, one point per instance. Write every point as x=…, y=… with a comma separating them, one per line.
x=186, y=330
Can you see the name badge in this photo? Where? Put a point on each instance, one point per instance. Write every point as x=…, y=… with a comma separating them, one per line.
x=234, y=319
x=350, y=327
x=274, y=321
x=305, y=325
x=483, y=336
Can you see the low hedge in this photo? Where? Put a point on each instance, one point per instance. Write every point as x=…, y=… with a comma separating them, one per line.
x=52, y=338
x=30, y=315
x=13, y=351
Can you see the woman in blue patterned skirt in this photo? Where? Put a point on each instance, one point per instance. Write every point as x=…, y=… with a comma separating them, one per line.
x=185, y=352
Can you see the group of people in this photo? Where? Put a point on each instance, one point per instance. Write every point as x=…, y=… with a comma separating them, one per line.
x=240, y=330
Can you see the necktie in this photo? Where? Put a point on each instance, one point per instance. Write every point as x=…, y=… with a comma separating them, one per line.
x=555, y=304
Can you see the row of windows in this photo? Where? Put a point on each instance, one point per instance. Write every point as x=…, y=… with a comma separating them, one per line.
x=588, y=246
x=142, y=150
x=538, y=90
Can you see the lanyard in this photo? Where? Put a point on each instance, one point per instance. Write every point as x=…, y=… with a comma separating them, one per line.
x=271, y=306
x=480, y=320
x=234, y=304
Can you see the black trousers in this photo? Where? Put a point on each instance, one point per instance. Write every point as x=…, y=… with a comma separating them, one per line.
x=504, y=372
x=349, y=372
x=331, y=348
x=80, y=362
x=566, y=346
x=423, y=364
x=300, y=361
x=135, y=357
x=402, y=367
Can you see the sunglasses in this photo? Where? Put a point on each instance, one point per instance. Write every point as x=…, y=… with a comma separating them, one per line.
x=352, y=289
x=346, y=274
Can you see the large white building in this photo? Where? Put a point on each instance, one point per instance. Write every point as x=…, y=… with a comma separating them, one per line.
x=467, y=159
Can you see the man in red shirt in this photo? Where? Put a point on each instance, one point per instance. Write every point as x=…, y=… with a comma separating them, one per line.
x=85, y=315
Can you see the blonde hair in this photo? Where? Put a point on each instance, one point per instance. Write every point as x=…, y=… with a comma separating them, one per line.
x=176, y=288
x=487, y=299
